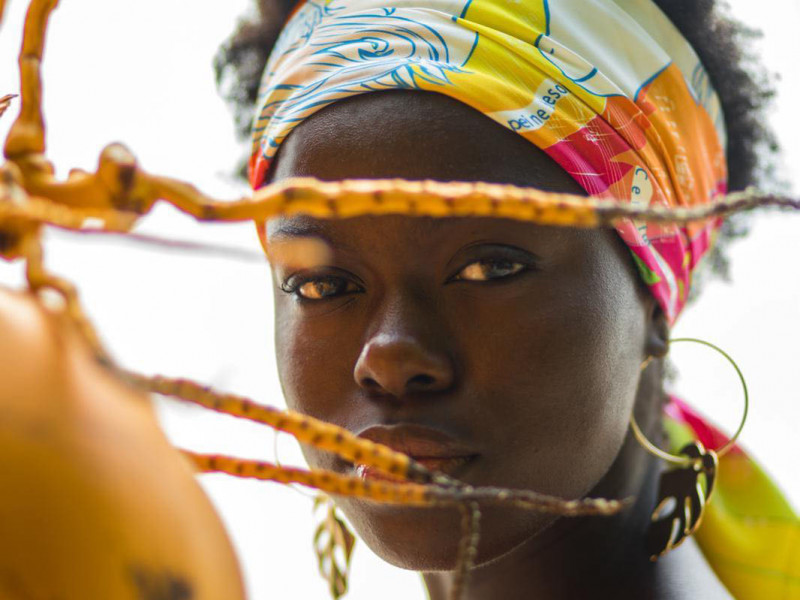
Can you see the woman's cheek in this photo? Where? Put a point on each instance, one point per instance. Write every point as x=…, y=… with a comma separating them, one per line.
x=316, y=357
x=559, y=394
x=299, y=353
x=606, y=336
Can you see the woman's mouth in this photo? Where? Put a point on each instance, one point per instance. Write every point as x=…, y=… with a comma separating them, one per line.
x=432, y=448
x=447, y=466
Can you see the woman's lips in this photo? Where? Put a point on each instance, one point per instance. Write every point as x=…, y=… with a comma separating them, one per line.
x=448, y=466
x=432, y=448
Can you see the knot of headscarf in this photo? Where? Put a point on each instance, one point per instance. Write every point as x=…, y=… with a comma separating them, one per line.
x=609, y=89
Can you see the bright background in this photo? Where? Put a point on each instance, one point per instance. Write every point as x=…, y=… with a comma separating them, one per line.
x=140, y=73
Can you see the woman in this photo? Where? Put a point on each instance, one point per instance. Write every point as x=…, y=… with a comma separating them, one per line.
x=503, y=353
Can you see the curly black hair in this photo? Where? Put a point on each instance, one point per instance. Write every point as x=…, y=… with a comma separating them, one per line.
x=723, y=44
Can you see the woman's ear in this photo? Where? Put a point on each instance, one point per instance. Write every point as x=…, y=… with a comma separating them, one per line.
x=658, y=331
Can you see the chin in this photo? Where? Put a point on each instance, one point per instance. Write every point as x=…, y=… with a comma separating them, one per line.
x=427, y=539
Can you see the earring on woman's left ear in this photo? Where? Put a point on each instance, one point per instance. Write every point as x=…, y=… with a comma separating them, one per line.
x=333, y=545
x=685, y=490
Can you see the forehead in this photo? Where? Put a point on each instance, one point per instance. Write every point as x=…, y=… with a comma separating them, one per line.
x=414, y=135
x=417, y=232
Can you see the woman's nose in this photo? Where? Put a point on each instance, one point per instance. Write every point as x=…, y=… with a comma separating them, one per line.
x=402, y=365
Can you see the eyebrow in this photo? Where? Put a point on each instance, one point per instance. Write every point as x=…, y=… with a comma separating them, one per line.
x=302, y=226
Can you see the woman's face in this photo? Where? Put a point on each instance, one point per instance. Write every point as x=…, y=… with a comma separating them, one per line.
x=504, y=353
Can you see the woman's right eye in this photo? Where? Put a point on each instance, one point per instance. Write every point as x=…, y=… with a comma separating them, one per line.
x=319, y=288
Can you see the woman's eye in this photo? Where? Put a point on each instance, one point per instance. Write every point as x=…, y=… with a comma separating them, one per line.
x=488, y=269
x=320, y=288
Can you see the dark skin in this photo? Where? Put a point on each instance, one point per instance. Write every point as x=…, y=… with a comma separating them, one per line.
x=524, y=342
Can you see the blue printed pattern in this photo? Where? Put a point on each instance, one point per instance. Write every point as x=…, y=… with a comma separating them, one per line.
x=347, y=53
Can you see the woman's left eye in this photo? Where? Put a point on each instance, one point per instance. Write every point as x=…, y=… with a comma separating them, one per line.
x=489, y=269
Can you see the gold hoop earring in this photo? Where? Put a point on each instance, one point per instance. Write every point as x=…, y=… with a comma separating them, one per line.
x=681, y=496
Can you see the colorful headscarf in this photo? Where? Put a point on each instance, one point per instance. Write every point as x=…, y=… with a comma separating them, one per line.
x=610, y=89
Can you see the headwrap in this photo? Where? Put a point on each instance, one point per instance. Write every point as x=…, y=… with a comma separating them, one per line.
x=609, y=89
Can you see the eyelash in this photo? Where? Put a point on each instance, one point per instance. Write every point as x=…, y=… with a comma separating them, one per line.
x=295, y=283
x=493, y=261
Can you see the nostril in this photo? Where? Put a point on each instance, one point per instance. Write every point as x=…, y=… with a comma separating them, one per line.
x=421, y=381
x=370, y=384
x=417, y=383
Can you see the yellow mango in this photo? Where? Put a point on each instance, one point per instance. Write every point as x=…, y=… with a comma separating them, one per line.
x=94, y=501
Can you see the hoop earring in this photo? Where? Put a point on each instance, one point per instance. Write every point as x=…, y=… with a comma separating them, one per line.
x=684, y=491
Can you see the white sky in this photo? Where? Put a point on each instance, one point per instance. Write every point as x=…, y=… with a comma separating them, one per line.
x=140, y=73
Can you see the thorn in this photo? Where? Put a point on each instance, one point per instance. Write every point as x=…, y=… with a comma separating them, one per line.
x=5, y=102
